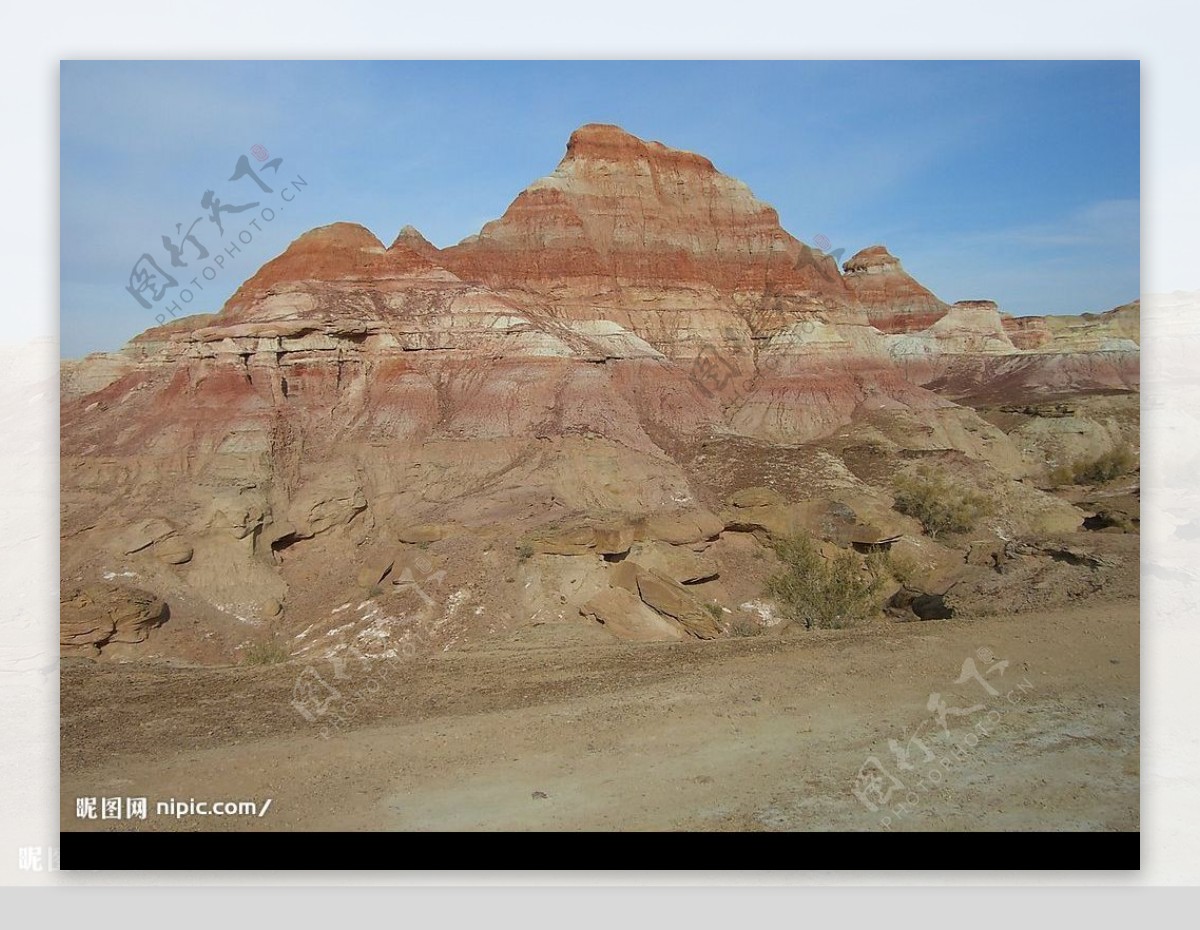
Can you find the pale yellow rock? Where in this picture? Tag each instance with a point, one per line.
(423, 533)
(143, 534)
(173, 551)
(626, 617)
(683, 527)
(757, 497)
(674, 600)
(678, 563)
(571, 540)
(612, 539)
(374, 572)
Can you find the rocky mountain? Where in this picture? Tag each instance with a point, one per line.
(597, 372)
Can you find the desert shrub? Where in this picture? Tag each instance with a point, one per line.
(714, 610)
(939, 505)
(817, 593)
(524, 552)
(1061, 475)
(742, 627)
(271, 652)
(1117, 461)
(899, 566)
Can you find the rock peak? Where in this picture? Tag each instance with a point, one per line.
(411, 237)
(895, 302)
(608, 142)
(620, 212)
(872, 260)
(590, 133)
(338, 235)
(337, 252)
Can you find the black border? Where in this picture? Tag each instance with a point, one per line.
(345, 851)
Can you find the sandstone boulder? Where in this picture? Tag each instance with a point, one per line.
(143, 534)
(613, 539)
(683, 527)
(237, 513)
(756, 497)
(773, 521)
(675, 601)
(625, 575)
(325, 504)
(419, 533)
(97, 614)
(987, 553)
(626, 617)
(678, 563)
(567, 540)
(375, 571)
(173, 551)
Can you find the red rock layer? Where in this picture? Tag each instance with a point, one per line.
(895, 302)
(338, 252)
(1027, 332)
(621, 212)
(629, 307)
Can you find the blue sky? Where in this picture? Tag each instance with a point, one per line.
(1016, 181)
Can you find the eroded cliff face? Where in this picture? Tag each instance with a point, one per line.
(560, 369)
(894, 301)
(621, 213)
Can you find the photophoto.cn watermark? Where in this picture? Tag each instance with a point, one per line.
(927, 759)
(212, 241)
(333, 692)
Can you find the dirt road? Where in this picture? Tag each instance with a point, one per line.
(559, 728)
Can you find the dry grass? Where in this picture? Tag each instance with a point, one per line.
(271, 652)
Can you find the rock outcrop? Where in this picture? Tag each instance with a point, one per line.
(547, 382)
(95, 615)
(894, 301)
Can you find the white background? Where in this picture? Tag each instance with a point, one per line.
(1162, 35)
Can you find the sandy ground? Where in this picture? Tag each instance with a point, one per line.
(558, 728)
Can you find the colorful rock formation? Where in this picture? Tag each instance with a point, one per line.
(551, 371)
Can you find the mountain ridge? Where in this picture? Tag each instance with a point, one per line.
(634, 339)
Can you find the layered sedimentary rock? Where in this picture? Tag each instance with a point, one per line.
(99, 614)
(632, 219)
(543, 379)
(894, 301)
(1117, 330)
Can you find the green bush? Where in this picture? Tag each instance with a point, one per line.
(939, 505)
(817, 593)
(1117, 461)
